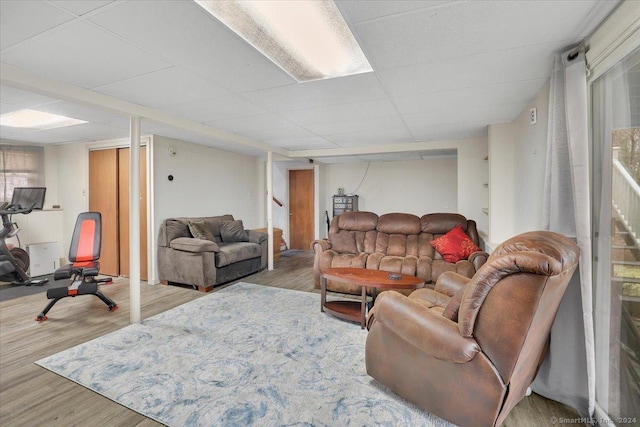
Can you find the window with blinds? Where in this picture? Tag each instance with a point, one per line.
(20, 166)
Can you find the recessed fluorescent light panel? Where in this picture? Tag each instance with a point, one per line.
(38, 120)
(309, 39)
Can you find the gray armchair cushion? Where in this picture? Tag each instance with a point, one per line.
(233, 231)
(190, 244)
(199, 230)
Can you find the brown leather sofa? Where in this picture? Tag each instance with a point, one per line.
(394, 242)
(468, 350)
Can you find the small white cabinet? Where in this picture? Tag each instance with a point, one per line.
(44, 258)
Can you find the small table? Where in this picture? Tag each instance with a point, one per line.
(376, 279)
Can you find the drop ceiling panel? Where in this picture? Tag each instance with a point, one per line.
(361, 87)
(467, 28)
(81, 7)
(450, 131)
(218, 108)
(8, 108)
(527, 63)
(360, 125)
(390, 157)
(39, 15)
(11, 95)
(352, 111)
(83, 55)
(76, 111)
(184, 33)
(368, 10)
(256, 123)
(471, 98)
(388, 135)
(165, 87)
(501, 113)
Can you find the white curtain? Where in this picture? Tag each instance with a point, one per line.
(568, 373)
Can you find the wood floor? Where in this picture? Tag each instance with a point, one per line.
(33, 396)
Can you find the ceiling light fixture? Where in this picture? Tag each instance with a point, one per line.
(309, 39)
(38, 120)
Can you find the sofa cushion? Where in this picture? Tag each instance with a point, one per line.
(399, 223)
(239, 251)
(199, 230)
(455, 245)
(188, 244)
(233, 231)
(175, 229)
(441, 223)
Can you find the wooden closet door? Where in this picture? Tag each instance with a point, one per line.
(103, 198)
(123, 178)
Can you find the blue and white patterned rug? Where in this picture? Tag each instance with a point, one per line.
(245, 355)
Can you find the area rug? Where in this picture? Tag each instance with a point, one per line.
(245, 355)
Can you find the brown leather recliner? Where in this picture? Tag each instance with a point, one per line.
(468, 350)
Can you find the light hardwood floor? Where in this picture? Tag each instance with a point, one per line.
(33, 396)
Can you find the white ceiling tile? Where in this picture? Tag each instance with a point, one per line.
(9, 108)
(83, 55)
(527, 63)
(343, 90)
(450, 132)
(20, 20)
(501, 113)
(470, 98)
(80, 7)
(165, 87)
(77, 111)
(466, 28)
(183, 32)
(359, 11)
(388, 135)
(211, 109)
(22, 98)
(254, 123)
(360, 125)
(332, 113)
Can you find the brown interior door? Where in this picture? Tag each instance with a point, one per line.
(123, 178)
(103, 198)
(301, 209)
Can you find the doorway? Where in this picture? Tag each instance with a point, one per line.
(109, 195)
(301, 222)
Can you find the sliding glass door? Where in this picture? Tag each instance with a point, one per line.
(616, 176)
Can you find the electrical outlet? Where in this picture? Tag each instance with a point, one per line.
(533, 116)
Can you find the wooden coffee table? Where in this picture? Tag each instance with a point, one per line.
(376, 279)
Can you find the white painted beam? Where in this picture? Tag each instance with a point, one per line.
(270, 209)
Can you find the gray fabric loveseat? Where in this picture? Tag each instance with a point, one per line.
(223, 252)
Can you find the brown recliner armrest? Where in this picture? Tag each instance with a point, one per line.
(426, 330)
(478, 259)
(451, 282)
(320, 245)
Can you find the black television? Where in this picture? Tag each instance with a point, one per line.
(29, 196)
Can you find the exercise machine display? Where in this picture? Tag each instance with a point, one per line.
(14, 262)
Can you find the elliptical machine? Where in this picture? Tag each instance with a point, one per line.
(14, 262)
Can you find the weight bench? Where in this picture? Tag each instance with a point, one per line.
(84, 267)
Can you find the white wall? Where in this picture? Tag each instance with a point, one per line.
(415, 186)
(517, 156)
(206, 182)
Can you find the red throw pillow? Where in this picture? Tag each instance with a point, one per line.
(455, 245)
